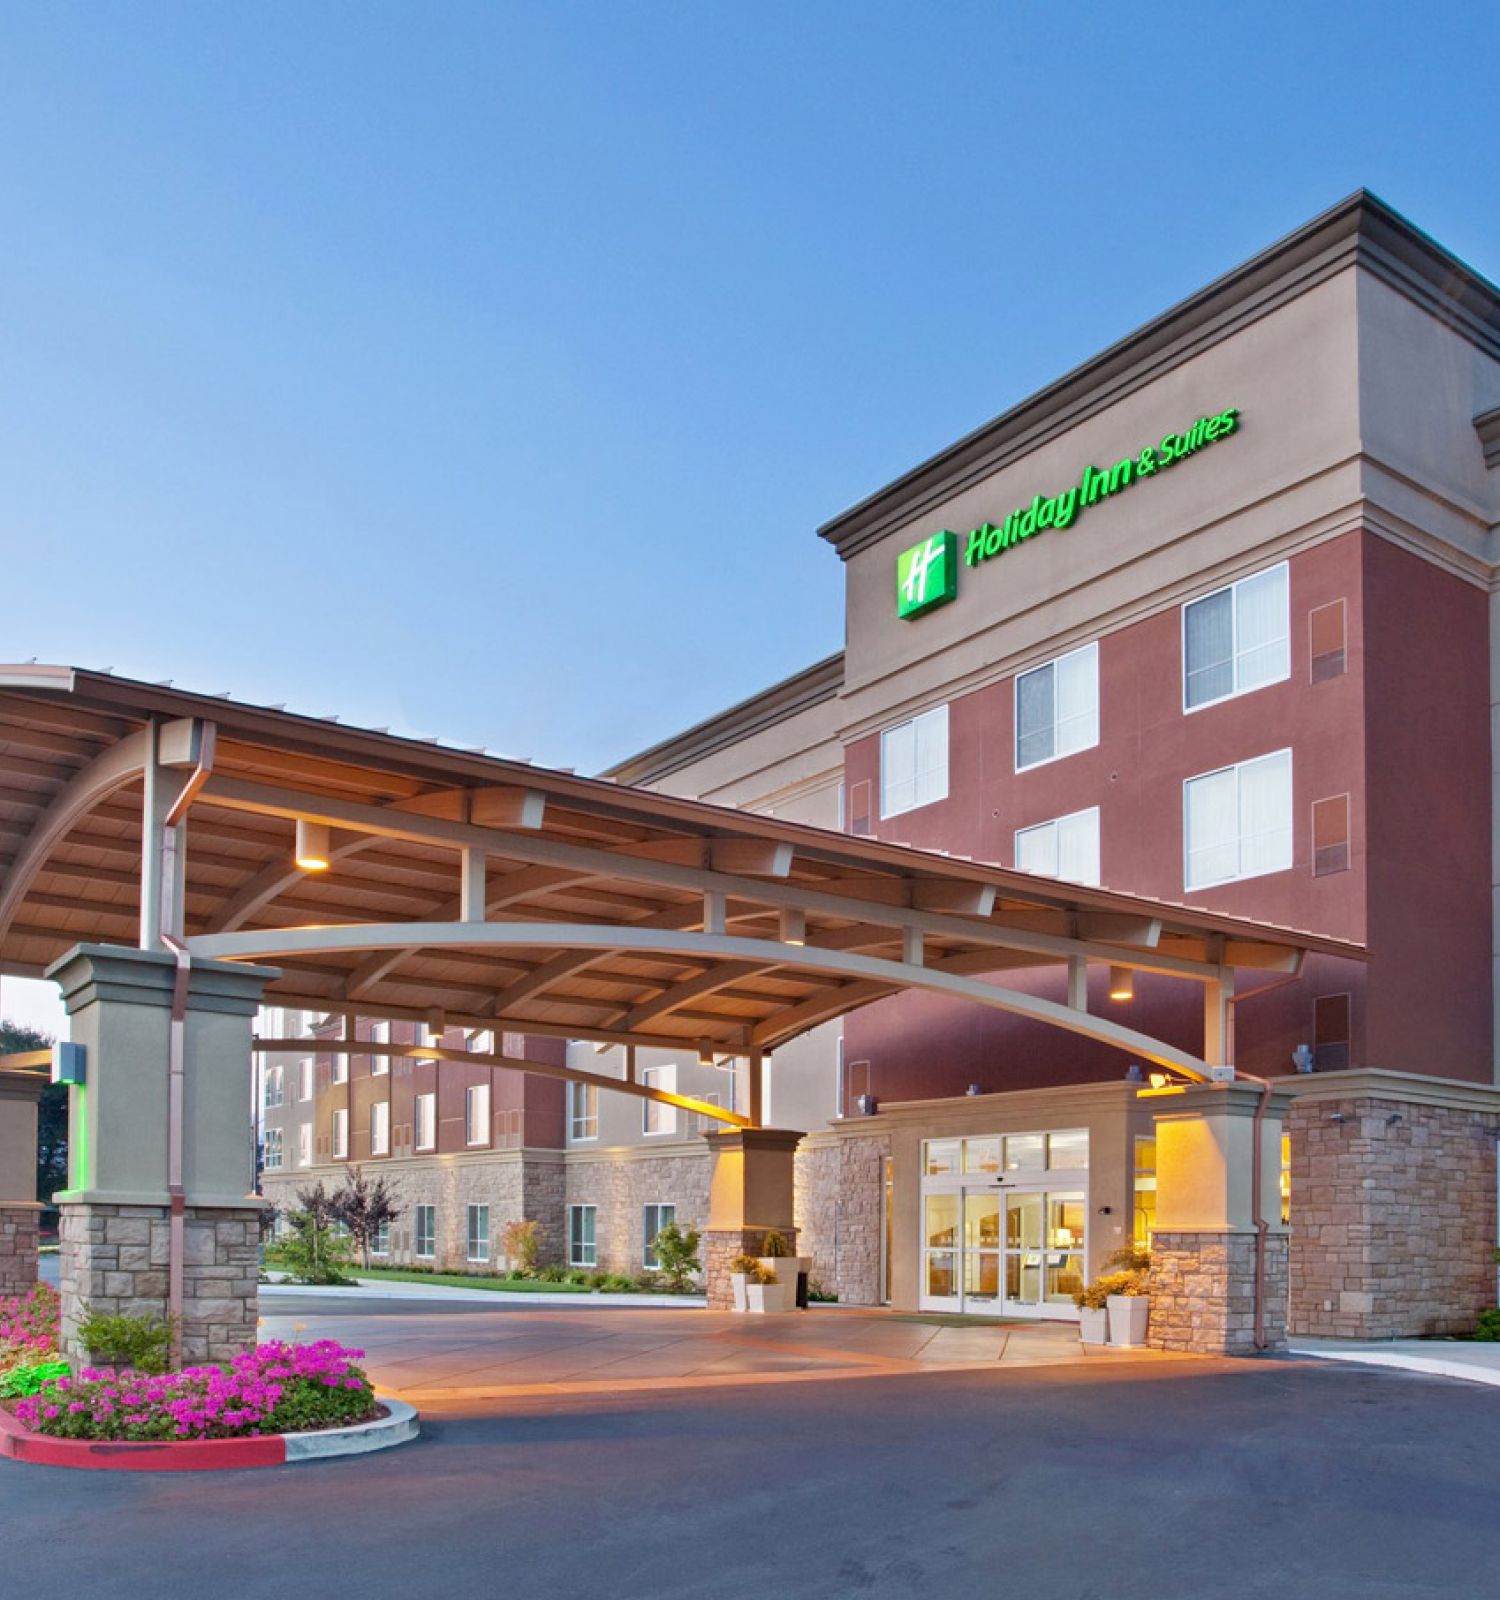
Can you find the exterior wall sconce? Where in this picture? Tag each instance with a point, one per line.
(793, 926)
(1121, 983)
(705, 1053)
(312, 846)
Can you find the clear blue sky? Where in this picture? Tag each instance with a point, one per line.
(484, 370)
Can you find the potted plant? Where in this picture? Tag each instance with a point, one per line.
(751, 1279)
(1128, 1295)
(1093, 1312)
(784, 1268)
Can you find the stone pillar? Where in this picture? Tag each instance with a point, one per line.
(1204, 1251)
(19, 1210)
(117, 1208)
(750, 1193)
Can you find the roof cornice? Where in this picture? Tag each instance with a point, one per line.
(1359, 231)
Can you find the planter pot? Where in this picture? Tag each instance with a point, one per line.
(783, 1293)
(1128, 1315)
(737, 1281)
(1093, 1325)
(756, 1297)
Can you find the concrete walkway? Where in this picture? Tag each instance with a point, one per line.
(1441, 1358)
(389, 1289)
(457, 1354)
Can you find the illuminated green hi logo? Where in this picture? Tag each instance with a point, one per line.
(927, 574)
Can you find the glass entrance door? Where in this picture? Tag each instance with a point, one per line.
(1043, 1253)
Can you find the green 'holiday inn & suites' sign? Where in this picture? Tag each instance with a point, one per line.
(927, 574)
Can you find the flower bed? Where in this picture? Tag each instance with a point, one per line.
(30, 1326)
(275, 1388)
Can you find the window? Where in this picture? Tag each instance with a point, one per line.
(380, 1033)
(478, 1231)
(1236, 640)
(477, 1114)
(1331, 1032)
(305, 1079)
(1057, 708)
(1145, 1191)
(380, 1240)
(426, 1121)
(657, 1217)
(1238, 822)
(841, 1087)
(1326, 630)
(380, 1128)
(425, 1223)
(304, 1145)
(583, 1111)
(340, 1067)
(340, 1135)
(275, 1087)
(482, 1042)
(1066, 848)
(914, 763)
(1330, 835)
(582, 1250)
(271, 1150)
(656, 1117)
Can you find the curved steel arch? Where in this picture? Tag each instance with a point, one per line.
(277, 943)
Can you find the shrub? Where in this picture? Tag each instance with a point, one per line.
(597, 1280)
(274, 1388)
(143, 1344)
(520, 1241)
(579, 1276)
(752, 1270)
(553, 1275)
(677, 1250)
(315, 1251)
(774, 1244)
(1489, 1326)
(617, 1283)
(816, 1292)
(21, 1381)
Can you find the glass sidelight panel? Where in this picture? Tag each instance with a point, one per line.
(1023, 1248)
(942, 1281)
(941, 1245)
(1066, 1216)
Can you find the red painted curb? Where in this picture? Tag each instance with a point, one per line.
(182, 1455)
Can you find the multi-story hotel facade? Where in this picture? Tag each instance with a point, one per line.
(1210, 620)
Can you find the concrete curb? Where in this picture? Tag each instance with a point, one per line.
(18, 1443)
(1432, 1366)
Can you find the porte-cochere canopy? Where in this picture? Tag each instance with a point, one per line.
(496, 894)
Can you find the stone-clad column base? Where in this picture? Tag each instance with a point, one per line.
(721, 1246)
(18, 1242)
(1203, 1293)
(114, 1260)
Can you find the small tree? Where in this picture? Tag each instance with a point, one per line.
(520, 1241)
(364, 1208)
(313, 1252)
(51, 1113)
(677, 1255)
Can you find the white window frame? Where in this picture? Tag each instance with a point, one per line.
(1233, 590)
(1092, 648)
(588, 1118)
(592, 1245)
(340, 1067)
(482, 1042)
(656, 1111)
(275, 1088)
(1054, 823)
(306, 1078)
(1237, 767)
(339, 1142)
(424, 1110)
(430, 1253)
(380, 1128)
(931, 716)
(380, 1033)
(271, 1142)
(840, 1082)
(304, 1144)
(469, 1215)
(380, 1240)
(648, 1257)
(476, 1126)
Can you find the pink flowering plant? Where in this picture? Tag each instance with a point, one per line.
(30, 1326)
(274, 1388)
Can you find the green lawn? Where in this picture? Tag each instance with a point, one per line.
(463, 1280)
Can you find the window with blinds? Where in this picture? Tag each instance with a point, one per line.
(1237, 822)
(1066, 847)
(1057, 708)
(1236, 639)
(914, 762)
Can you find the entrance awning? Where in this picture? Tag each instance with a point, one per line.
(499, 895)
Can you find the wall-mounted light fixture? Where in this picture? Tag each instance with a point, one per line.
(1121, 983)
(312, 846)
(793, 925)
(705, 1053)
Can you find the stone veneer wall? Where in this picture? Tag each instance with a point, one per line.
(720, 1247)
(18, 1242)
(114, 1260)
(816, 1205)
(861, 1218)
(623, 1184)
(1203, 1292)
(1393, 1222)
